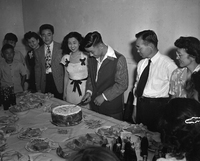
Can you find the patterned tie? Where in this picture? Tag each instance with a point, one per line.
(143, 80)
(48, 58)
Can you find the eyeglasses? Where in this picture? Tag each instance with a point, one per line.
(178, 54)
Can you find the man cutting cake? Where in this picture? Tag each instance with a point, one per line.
(108, 77)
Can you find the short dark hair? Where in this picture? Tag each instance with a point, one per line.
(64, 45)
(148, 36)
(94, 153)
(180, 138)
(45, 27)
(92, 39)
(6, 46)
(31, 34)
(191, 45)
(11, 36)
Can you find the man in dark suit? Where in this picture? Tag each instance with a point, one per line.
(48, 70)
(108, 77)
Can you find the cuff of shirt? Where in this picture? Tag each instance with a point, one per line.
(89, 92)
(104, 97)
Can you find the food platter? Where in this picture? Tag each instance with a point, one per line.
(19, 109)
(139, 130)
(29, 133)
(30, 100)
(109, 131)
(8, 119)
(13, 155)
(69, 147)
(10, 129)
(2, 141)
(40, 145)
(93, 124)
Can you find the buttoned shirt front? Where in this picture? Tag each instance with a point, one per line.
(160, 72)
(111, 53)
(10, 75)
(177, 82)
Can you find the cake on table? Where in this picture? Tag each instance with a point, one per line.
(66, 115)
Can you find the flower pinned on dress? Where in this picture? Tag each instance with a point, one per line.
(66, 62)
(192, 120)
(83, 61)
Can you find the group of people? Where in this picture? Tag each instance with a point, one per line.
(167, 96)
(85, 70)
(79, 70)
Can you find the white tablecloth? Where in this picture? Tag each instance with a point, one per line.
(40, 119)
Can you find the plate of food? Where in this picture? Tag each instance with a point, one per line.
(14, 156)
(19, 109)
(2, 141)
(109, 131)
(10, 129)
(8, 119)
(31, 100)
(67, 148)
(137, 129)
(93, 124)
(40, 145)
(29, 133)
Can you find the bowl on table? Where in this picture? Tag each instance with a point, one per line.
(18, 111)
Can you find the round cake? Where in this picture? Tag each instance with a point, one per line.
(66, 115)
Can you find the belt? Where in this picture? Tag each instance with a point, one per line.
(77, 85)
(149, 99)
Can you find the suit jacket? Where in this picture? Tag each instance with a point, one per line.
(57, 68)
(112, 82)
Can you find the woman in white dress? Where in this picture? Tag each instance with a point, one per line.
(75, 65)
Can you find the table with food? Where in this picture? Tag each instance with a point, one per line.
(41, 127)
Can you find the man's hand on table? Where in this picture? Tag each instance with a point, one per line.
(99, 100)
(86, 98)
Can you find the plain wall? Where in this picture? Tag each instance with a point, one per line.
(117, 20)
(11, 20)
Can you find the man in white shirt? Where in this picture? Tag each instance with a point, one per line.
(155, 95)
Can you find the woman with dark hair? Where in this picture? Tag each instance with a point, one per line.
(76, 72)
(180, 130)
(33, 41)
(94, 154)
(192, 86)
(188, 55)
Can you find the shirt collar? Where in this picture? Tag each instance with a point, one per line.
(110, 54)
(197, 68)
(155, 57)
(50, 45)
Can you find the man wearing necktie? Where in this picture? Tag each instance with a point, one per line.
(48, 70)
(152, 83)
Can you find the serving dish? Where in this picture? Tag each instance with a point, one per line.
(70, 146)
(40, 145)
(29, 133)
(8, 119)
(10, 129)
(109, 131)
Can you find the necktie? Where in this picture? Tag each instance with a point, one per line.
(143, 80)
(48, 58)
